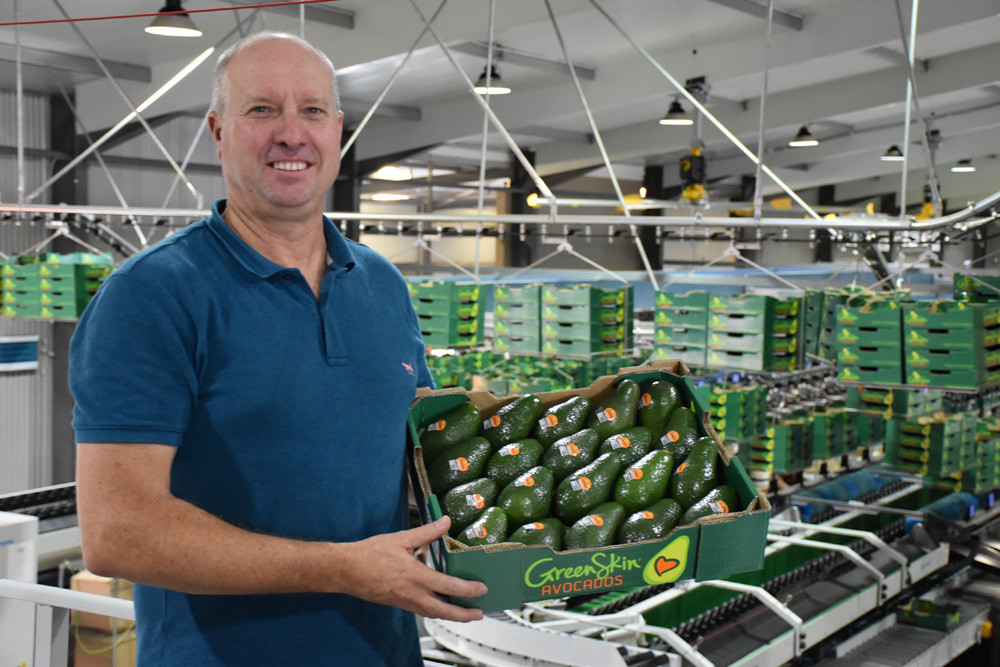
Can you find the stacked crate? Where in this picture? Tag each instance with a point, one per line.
(52, 285)
(785, 447)
(586, 320)
(517, 318)
(829, 431)
(869, 342)
(738, 413)
(832, 302)
(939, 446)
(753, 332)
(681, 327)
(448, 313)
(812, 322)
(952, 344)
(977, 289)
(888, 403)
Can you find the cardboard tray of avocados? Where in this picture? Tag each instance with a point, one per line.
(620, 484)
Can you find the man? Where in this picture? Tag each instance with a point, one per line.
(241, 391)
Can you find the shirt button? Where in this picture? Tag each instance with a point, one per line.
(287, 276)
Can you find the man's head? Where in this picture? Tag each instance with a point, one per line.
(277, 127)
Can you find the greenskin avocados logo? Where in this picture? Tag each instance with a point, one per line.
(604, 570)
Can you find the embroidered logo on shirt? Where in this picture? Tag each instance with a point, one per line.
(409, 368)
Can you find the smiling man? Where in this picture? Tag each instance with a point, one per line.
(241, 394)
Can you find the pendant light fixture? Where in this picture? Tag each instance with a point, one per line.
(676, 115)
(492, 84)
(173, 21)
(803, 138)
(893, 154)
(963, 167)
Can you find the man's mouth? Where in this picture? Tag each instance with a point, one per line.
(289, 166)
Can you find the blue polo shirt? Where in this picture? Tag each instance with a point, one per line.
(288, 415)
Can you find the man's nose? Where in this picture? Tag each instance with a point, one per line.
(290, 130)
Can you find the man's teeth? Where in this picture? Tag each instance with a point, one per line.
(290, 166)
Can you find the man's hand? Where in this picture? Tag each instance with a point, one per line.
(383, 569)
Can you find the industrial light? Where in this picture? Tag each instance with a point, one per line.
(389, 196)
(804, 138)
(963, 167)
(173, 21)
(491, 85)
(893, 154)
(676, 115)
(393, 173)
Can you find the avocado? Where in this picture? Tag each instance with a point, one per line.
(617, 412)
(657, 402)
(585, 489)
(466, 502)
(695, 476)
(512, 421)
(595, 529)
(460, 423)
(571, 453)
(652, 523)
(645, 481)
(720, 500)
(458, 464)
(511, 460)
(489, 528)
(681, 432)
(547, 531)
(528, 497)
(628, 446)
(561, 420)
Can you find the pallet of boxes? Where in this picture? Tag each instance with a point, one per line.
(50, 285)
(618, 484)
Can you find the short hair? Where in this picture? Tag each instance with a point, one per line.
(220, 93)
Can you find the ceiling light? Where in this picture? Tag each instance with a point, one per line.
(391, 172)
(176, 24)
(389, 196)
(963, 167)
(676, 115)
(494, 86)
(893, 154)
(804, 138)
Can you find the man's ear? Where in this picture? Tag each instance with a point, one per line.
(215, 127)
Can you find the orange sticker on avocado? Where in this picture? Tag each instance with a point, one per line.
(527, 481)
(681, 467)
(719, 507)
(492, 422)
(645, 400)
(670, 436)
(536, 525)
(633, 474)
(580, 484)
(512, 449)
(606, 415)
(569, 449)
(476, 532)
(461, 464)
(438, 425)
(549, 420)
(592, 520)
(645, 514)
(621, 442)
(475, 500)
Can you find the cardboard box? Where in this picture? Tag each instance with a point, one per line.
(100, 649)
(693, 319)
(696, 300)
(516, 573)
(87, 582)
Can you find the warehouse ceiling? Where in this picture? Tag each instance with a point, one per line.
(838, 68)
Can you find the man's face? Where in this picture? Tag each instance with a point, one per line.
(279, 134)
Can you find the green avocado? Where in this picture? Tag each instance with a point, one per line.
(657, 402)
(645, 481)
(458, 464)
(585, 489)
(597, 528)
(528, 497)
(466, 502)
(651, 523)
(489, 528)
(460, 423)
(561, 420)
(617, 412)
(571, 453)
(628, 446)
(547, 531)
(720, 500)
(681, 432)
(695, 476)
(512, 459)
(512, 421)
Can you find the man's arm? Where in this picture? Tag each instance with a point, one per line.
(133, 528)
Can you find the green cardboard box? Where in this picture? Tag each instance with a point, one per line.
(515, 573)
(518, 293)
(694, 319)
(680, 335)
(696, 300)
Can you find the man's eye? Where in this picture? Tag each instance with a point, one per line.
(314, 110)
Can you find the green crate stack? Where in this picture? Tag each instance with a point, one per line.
(785, 448)
(448, 313)
(829, 430)
(832, 301)
(870, 429)
(52, 285)
(517, 318)
(812, 321)
(586, 320)
(680, 324)
(977, 289)
(939, 446)
(753, 332)
(870, 342)
(738, 412)
(952, 343)
(888, 403)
